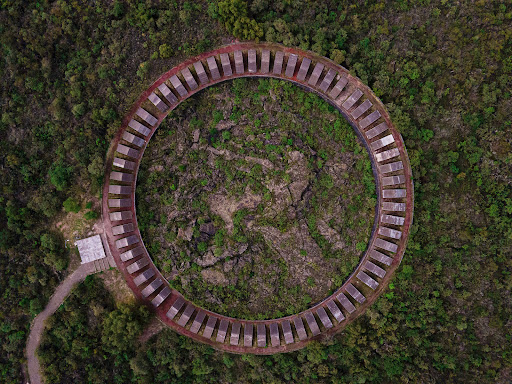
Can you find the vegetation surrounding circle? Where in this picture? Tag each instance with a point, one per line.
(256, 199)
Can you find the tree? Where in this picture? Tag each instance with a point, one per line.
(79, 109)
(35, 306)
(234, 15)
(60, 175)
(122, 326)
(54, 253)
(45, 201)
(49, 242)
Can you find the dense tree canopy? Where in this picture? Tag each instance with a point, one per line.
(70, 71)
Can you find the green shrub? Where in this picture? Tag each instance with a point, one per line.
(79, 110)
(71, 205)
(226, 135)
(202, 246)
(91, 215)
(234, 15)
(361, 246)
(165, 51)
(35, 306)
(60, 175)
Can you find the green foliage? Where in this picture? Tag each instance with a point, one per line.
(121, 327)
(315, 353)
(89, 331)
(35, 306)
(202, 246)
(165, 51)
(96, 167)
(118, 9)
(219, 238)
(234, 15)
(79, 110)
(226, 135)
(447, 91)
(71, 205)
(360, 246)
(50, 242)
(91, 215)
(217, 117)
(51, 246)
(143, 70)
(60, 175)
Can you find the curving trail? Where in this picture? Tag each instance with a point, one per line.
(38, 324)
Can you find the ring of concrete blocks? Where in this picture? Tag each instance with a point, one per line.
(391, 169)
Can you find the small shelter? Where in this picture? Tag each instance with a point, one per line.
(90, 249)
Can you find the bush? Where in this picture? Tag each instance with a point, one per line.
(165, 51)
(202, 247)
(91, 215)
(247, 29)
(35, 306)
(57, 261)
(51, 246)
(234, 15)
(361, 246)
(71, 205)
(79, 110)
(60, 175)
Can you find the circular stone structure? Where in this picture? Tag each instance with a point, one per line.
(393, 214)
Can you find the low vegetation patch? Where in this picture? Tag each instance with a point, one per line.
(256, 199)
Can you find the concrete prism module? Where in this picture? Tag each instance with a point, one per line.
(239, 62)
(198, 321)
(335, 311)
(274, 335)
(214, 69)
(201, 73)
(251, 61)
(166, 91)
(303, 69)
(326, 82)
(313, 80)
(191, 82)
(248, 334)
(336, 90)
(235, 333)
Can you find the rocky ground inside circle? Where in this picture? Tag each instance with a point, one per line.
(255, 199)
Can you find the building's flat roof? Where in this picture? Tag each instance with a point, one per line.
(90, 249)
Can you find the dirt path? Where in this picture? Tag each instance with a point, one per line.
(38, 324)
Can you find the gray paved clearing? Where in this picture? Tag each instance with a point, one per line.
(38, 324)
